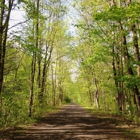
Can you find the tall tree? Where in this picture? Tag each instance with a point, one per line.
(115, 32)
(5, 11)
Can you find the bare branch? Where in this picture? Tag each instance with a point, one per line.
(18, 24)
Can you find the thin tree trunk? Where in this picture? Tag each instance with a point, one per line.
(33, 63)
(116, 82)
(37, 46)
(44, 73)
(96, 97)
(96, 94)
(136, 48)
(32, 78)
(53, 86)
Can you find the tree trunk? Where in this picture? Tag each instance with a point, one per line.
(4, 24)
(96, 95)
(32, 78)
(134, 89)
(116, 82)
(53, 86)
(136, 49)
(45, 70)
(37, 46)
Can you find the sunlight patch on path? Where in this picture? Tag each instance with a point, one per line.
(72, 122)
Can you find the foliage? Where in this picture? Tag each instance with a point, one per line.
(107, 52)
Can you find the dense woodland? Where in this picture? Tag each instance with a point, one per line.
(85, 51)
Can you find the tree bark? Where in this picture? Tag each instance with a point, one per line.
(136, 49)
(118, 88)
(96, 95)
(45, 70)
(4, 24)
(32, 78)
(134, 89)
(53, 86)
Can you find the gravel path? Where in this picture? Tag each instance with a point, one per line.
(72, 122)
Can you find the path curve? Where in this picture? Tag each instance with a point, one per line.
(72, 122)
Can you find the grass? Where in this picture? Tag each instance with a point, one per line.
(9, 131)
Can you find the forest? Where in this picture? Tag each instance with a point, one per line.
(62, 51)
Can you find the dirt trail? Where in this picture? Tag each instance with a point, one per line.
(72, 122)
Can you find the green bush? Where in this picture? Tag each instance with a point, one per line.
(67, 99)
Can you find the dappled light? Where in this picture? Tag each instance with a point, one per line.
(71, 122)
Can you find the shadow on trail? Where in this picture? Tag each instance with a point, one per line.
(72, 123)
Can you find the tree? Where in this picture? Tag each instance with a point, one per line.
(110, 24)
(5, 11)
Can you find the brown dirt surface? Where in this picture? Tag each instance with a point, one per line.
(73, 122)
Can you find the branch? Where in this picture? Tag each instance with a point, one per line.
(18, 24)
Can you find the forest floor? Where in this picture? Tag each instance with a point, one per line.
(73, 122)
